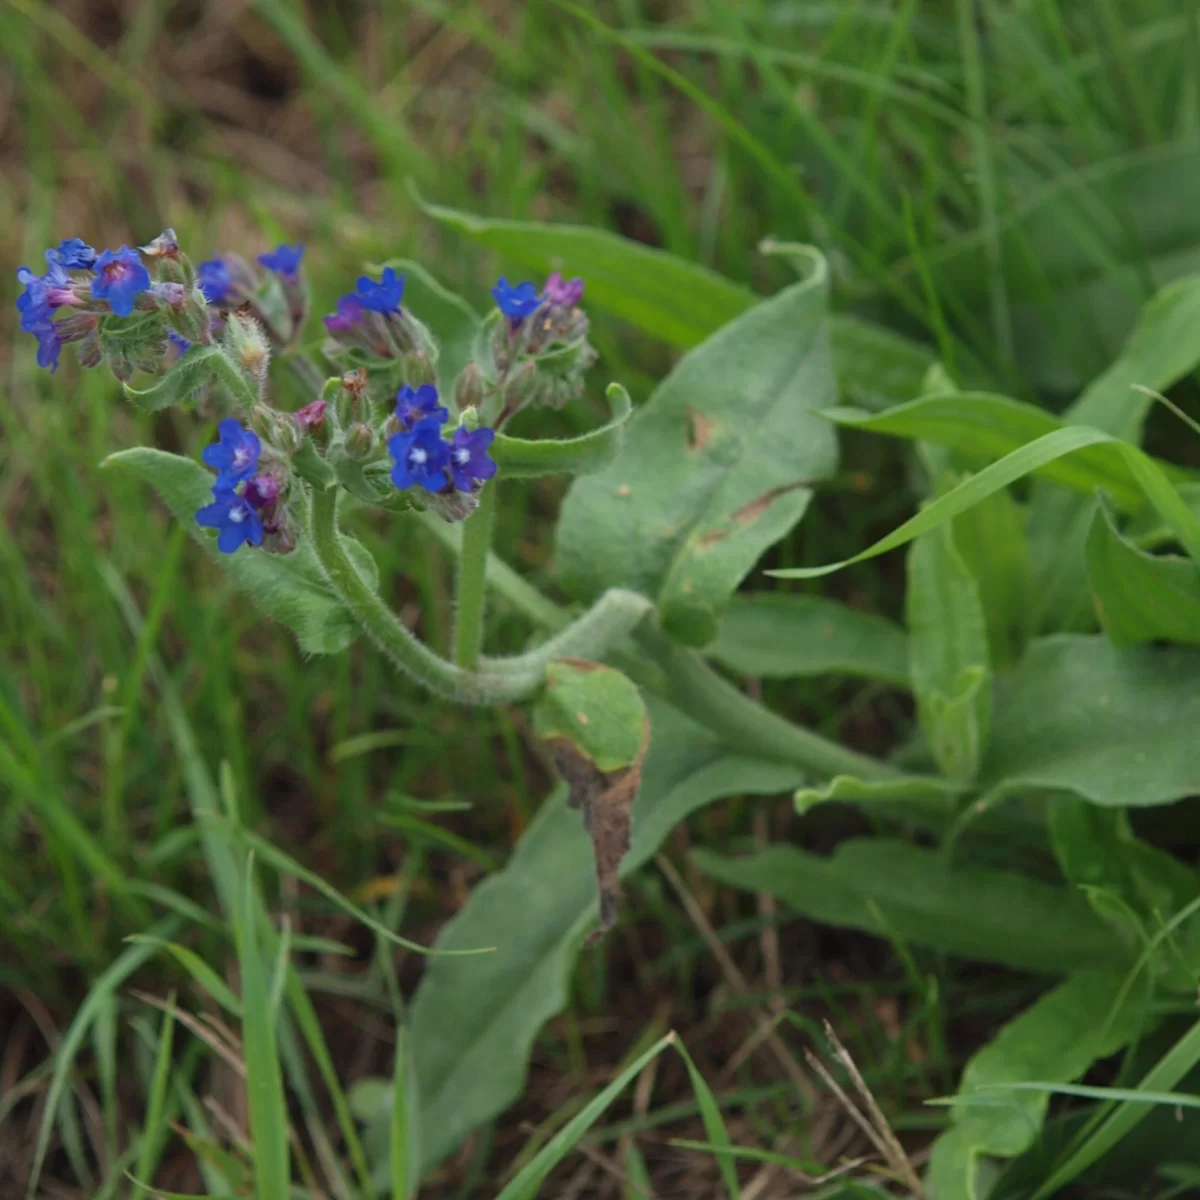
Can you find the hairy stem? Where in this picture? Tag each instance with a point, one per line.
(691, 685)
(472, 567)
(496, 681)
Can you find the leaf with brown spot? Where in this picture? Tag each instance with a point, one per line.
(700, 428)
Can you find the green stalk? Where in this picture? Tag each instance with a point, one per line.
(697, 690)
(472, 569)
(496, 681)
(682, 677)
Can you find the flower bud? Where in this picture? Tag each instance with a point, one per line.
(246, 343)
(361, 443)
(521, 387)
(468, 387)
(452, 505)
(311, 420)
(278, 430)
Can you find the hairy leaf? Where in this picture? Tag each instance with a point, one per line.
(1109, 724)
(473, 1021)
(887, 887)
(522, 458)
(948, 645)
(777, 635)
(718, 466)
(1140, 597)
(1056, 1039)
(683, 303)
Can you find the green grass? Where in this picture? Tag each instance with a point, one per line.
(1007, 183)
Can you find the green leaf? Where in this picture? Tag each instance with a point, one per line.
(891, 888)
(991, 539)
(1140, 597)
(264, 1079)
(1134, 885)
(667, 297)
(473, 1021)
(286, 587)
(1081, 715)
(525, 458)
(948, 644)
(1056, 1038)
(683, 303)
(718, 466)
(595, 708)
(1163, 348)
(196, 369)
(982, 426)
(915, 795)
(778, 635)
(1035, 456)
(452, 321)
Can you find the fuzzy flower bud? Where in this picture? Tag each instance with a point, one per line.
(361, 443)
(468, 387)
(247, 344)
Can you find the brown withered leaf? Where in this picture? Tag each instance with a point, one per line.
(606, 801)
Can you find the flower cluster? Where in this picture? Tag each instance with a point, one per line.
(246, 501)
(76, 277)
(371, 321)
(423, 458)
(275, 295)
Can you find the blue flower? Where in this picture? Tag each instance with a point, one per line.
(469, 459)
(284, 259)
(120, 276)
(214, 280)
(43, 294)
(413, 406)
(421, 456)
(517, 302)
(234, 517)
(234, 455)
(349, 314)
(73, 253)
(384, 296)
(179, 341)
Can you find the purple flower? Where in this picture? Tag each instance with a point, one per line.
(120, 276)
(421, 456)
(469, 460)
(284, 259)
(517, 302)
(43, 294)
(74, 253)
(384, 296)
(349, 315)
(413, 406)
(234, 455)
(312, 415)
(234, 517)
(563, 293)
(214, 280)
(49, 342)
(262, 491)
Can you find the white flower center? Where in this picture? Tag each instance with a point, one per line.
(238, 513)
(462, 455)
(418, 456)
(241, 456)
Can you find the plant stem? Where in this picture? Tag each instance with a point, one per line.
(688, 682)
(472, 569)
(697, 690)
(496, 681)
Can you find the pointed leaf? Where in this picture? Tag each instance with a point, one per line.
(1080, 715)
(286, 587)
(889, 887)
(1056, 1038)
(717, 467)
(473, 1021)
(1140, 597)
(525, 458)
(682, 302)
(948, 645)
(777, 635)
(196, 369)
(1035, 456)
